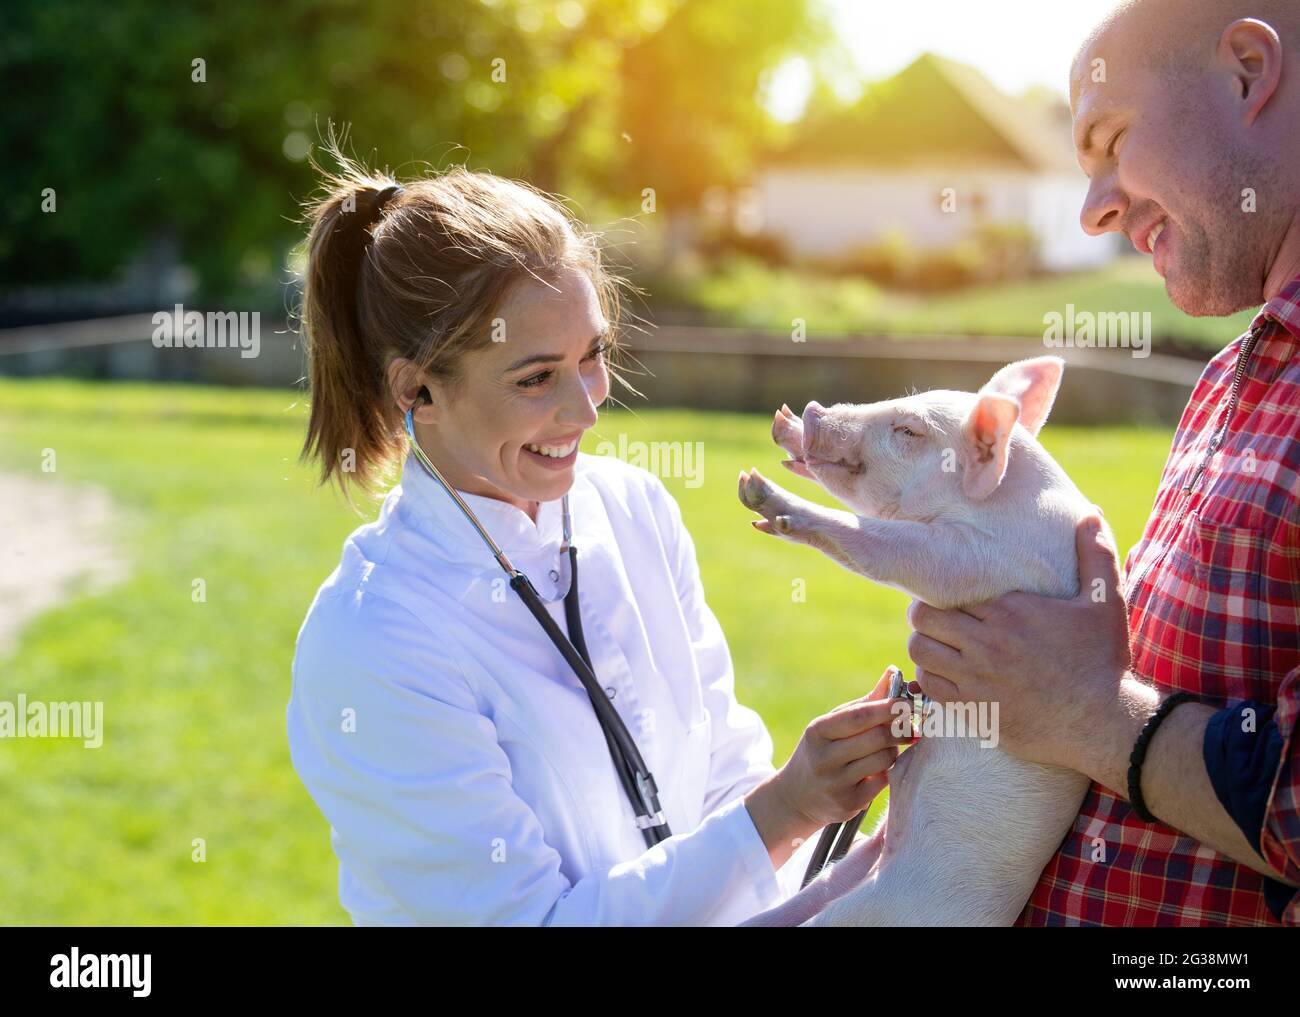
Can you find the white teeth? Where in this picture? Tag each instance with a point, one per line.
(554, 451)
(1154, 235)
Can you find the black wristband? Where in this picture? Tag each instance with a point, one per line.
(1139, 754)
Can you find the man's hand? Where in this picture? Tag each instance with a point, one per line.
(1054, 666)
(1059, 671)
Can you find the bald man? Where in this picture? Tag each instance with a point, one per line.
(1177, 689)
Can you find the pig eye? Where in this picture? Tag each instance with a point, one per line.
(906, 430)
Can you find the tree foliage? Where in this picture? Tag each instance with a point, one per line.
(104, 104)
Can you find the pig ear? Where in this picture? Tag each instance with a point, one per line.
(1031, 383)
(987, 436)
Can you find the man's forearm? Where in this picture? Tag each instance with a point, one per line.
(1175, 784)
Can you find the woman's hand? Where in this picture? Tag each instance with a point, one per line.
(835, 772)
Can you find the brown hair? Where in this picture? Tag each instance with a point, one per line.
(421, 276)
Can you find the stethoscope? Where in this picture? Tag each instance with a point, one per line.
(638, 783)
(837, 838)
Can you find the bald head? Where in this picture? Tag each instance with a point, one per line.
(1178, 37)
(1184, 121)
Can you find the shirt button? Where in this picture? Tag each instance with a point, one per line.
(555, 576)
(609, 691)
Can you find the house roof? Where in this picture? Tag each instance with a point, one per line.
(936, 111)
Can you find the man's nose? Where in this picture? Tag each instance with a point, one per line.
(1104, 207)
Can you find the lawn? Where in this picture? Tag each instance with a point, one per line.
(195, 693)
(744, 292)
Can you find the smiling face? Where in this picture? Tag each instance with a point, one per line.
(886, 459)
(510, 427)
(1173, 152)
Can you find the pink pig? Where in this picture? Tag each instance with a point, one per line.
(954, 502)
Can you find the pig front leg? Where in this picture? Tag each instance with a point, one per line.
(803, 522)
(943, 564)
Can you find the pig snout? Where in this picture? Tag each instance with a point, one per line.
(812, 415)
(808, 439)
(829, 442)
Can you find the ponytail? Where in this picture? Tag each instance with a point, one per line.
(348, 429)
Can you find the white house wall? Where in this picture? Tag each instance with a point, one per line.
(826, 211)
(1054, 217)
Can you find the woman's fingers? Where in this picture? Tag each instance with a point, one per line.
(882, 687)
(853, 718)
(897, 731)
(873, 765)
(867, 790)
(879, 692)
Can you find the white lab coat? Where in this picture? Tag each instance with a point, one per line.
(459, 761)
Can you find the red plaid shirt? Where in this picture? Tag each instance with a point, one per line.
(1213, 591)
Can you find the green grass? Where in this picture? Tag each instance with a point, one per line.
(744, 292)
(195, 693)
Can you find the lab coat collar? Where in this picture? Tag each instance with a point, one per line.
(428, 508)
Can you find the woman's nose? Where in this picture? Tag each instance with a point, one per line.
(580, 408)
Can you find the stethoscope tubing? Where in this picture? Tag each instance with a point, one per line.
(637, 780)
(837, 838)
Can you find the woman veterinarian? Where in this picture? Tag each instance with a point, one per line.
(454, 752)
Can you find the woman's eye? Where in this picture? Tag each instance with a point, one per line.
(535, 380)
(543, 376)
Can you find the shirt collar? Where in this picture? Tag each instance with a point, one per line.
(426, 506)
(1284, 308)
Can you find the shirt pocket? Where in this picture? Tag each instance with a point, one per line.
(1214, 637)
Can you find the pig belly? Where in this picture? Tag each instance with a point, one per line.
(969, 832)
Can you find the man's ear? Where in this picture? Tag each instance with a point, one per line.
(1031, 383)
(1252, 53)
(986, 433)
(405, 381)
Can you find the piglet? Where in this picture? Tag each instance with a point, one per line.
(954, 502)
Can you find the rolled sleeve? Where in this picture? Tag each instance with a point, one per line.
(1280, 836)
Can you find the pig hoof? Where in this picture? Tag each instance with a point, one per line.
(753, 490)
(776, 506)
(787, 432)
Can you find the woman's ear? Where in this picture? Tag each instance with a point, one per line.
(406, 382)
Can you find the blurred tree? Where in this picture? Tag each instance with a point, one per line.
(193, 123)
